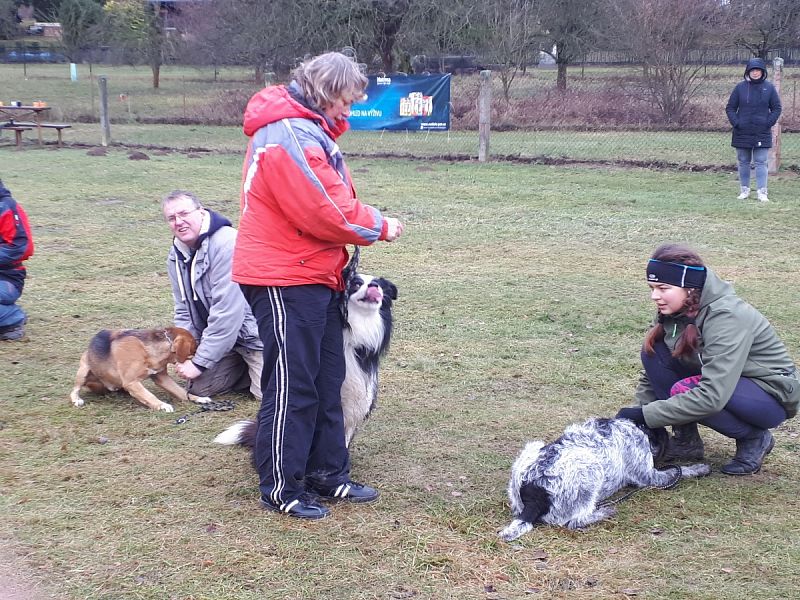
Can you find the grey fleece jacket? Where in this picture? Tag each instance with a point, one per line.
(205, 276)
(735, 341)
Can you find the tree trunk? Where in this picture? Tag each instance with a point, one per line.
(561, 77)
(156, 67)
(387, 56)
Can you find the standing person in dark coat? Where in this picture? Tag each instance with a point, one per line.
(753, 108)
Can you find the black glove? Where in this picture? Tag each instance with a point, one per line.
(633, 413)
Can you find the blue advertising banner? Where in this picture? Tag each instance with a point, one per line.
(405, 103)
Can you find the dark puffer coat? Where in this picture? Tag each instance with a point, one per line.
(753, 108)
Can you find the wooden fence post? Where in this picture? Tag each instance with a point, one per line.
(484, 115)
(774, 159)
(105, 126)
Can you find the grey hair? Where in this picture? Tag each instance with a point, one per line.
(328, 77)
(177, 195)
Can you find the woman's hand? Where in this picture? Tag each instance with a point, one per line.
(394, 229)
(633, 413)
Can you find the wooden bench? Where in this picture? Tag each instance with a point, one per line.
(59, 127)
(17, 129)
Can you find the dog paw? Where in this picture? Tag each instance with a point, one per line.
(77, 402)
(199, 399)
(166, 407)
(699, 470)
(514, 530)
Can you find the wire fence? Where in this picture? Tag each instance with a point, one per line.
(690, 150)
(601, 118)
(605, 116)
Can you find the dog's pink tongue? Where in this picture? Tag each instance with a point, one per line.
(374, 294)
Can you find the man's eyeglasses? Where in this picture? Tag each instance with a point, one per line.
(183, 215)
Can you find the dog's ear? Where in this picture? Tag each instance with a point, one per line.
(388, 287)
(183, 344)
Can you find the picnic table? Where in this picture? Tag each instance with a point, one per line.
(26, 117)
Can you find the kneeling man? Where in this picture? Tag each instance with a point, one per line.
(207, 303)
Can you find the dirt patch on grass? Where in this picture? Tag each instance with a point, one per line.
(16, 581)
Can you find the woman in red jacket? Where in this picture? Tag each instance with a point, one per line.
(299, 210)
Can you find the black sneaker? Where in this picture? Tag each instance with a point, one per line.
(13, 332)
(304, 507)
(349, 491)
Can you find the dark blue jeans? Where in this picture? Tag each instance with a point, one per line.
(747, 414)
(10, 313)
(301, 427)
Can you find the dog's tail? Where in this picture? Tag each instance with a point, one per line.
(535, 503)
(241, 433)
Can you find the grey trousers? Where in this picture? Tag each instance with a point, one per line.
(237, 371)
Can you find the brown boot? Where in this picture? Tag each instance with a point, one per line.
(685, 444)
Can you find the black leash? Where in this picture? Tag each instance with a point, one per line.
(348, 274)
(668, 486)
(214, 406)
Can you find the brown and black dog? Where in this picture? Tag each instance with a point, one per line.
(123, 358)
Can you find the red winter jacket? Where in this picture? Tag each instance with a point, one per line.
(16, 241)
(298, 205)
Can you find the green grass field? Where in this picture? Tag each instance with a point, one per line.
(522, 307)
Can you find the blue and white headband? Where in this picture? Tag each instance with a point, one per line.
(685, 276)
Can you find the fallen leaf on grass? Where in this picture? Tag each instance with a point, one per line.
(539, 555)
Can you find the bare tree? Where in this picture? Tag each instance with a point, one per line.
(442, 27)
(8, 19)
(661, 34)
(265, 34)
(79, 20)
(371, 27)
(568, 30)
(764, 25)
(387, 21)
(137, 27)
(509, 41)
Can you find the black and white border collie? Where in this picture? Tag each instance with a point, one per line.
(367, 333)
(565, 482)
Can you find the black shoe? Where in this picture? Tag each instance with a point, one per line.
(304, 507)
(13, 332)
(349, 491)
(685, 445)
(750, 455)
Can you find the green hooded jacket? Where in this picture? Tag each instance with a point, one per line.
(735, 341)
